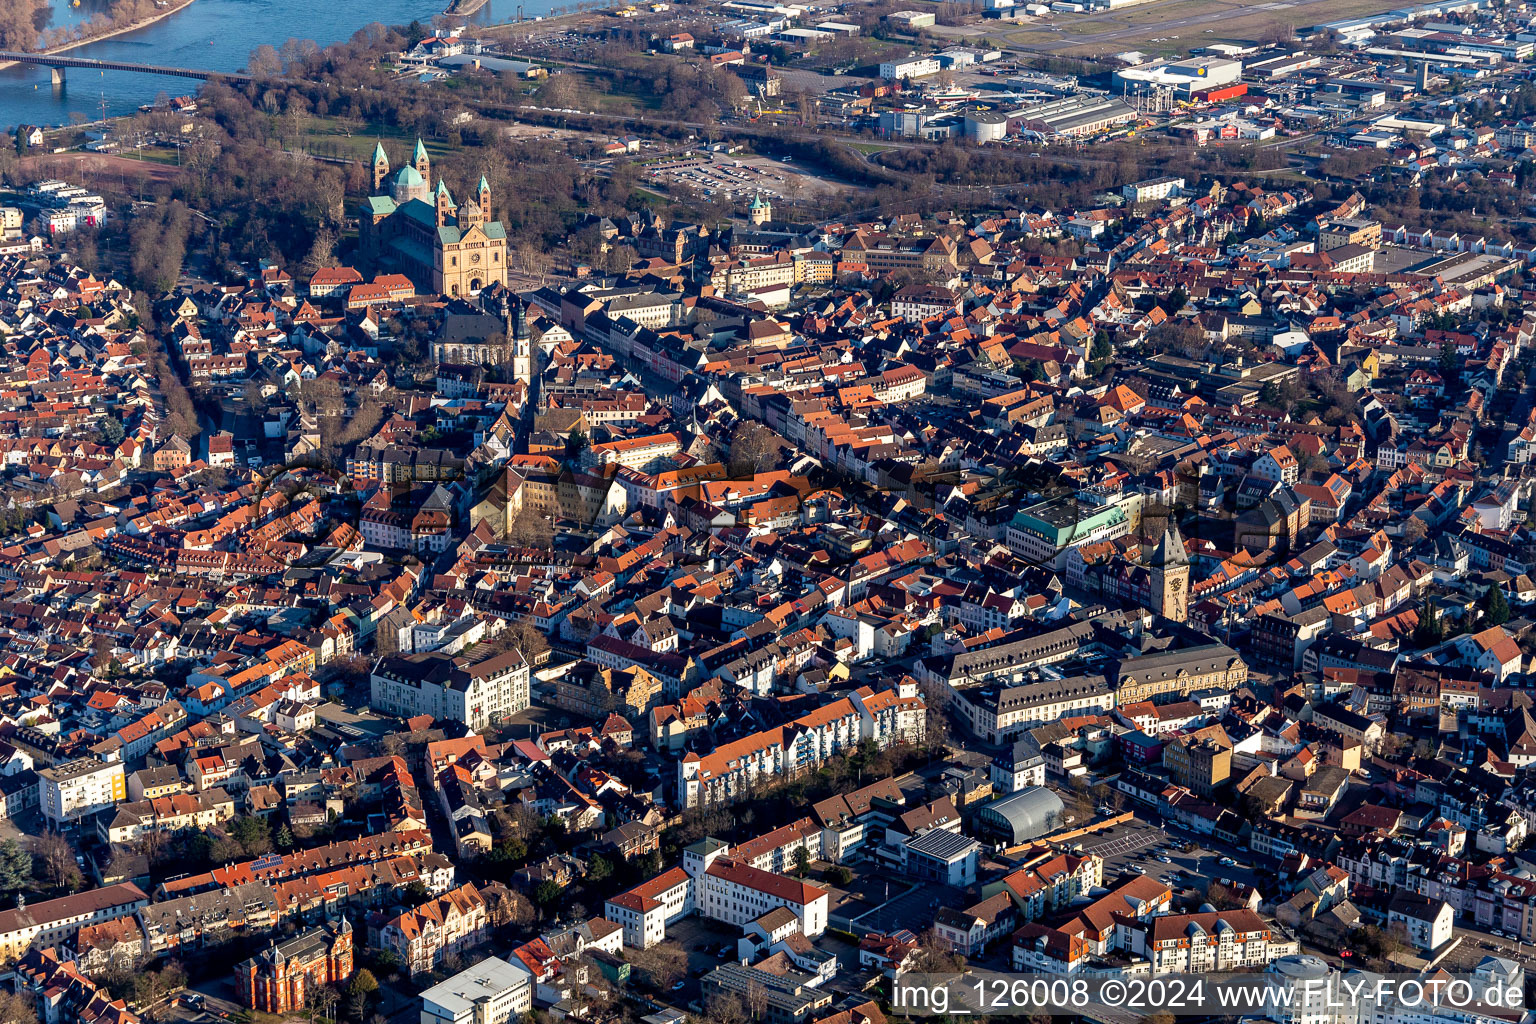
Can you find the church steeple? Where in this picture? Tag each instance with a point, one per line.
(483, 194)
(446, 207)
(421, 161)
(517, 334)
(380, 167)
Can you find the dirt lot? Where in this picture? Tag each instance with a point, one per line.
(534, 132)
(99, 170)
(738, 178)
(1176, 26)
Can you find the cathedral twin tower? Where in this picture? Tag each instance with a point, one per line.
(442, 246)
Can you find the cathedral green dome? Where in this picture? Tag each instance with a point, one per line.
(409, 177)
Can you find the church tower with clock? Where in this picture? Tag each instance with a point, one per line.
(1169, 569)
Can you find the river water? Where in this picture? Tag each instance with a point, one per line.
(215, 34)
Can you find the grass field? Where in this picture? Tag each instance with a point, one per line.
(1166, 27)
(354, 140)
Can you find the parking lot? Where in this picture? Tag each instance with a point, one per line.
(1477, 944)
(1150, 849)
(707, 944)
(1123, 840)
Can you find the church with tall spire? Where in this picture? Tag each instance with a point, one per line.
(408, 226)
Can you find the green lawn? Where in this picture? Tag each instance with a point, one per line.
(354, 140)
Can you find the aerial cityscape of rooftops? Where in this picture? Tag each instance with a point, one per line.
(691, 512)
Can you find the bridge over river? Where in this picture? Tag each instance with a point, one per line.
(59, 62)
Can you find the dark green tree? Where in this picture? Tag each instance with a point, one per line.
(509, 851)
(252, 833)
(546, 893)
(1450, 366)
(15, 866)
(1430, 630)
(1495, 606)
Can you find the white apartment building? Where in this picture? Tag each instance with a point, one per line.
(449, 688)
(632, 452)
(648, 309)
(1429, 922)
(650, 908)
(912, 67)
(1299, 992)
(737, 893)
(1228, 940)
(491, 992)
(887, 717)
(718, 887)
(80, 788)
(1152, 189)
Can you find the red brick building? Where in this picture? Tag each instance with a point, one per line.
(280, 979)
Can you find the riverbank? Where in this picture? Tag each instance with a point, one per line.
(464, 8)
(177, 6)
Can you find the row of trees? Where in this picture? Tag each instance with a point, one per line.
(19, 22)
(118, 15)
(181, 414)
(158, 242)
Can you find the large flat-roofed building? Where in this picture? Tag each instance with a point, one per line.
(80, 788)
(912, 67)
(1181, 76)
(912, 19)
(1466, 270)
(1075, 115)
(491, 992)
(1152, 189)
(1043, 533)
(787, 995)
(1348, 231)
(936, 855)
